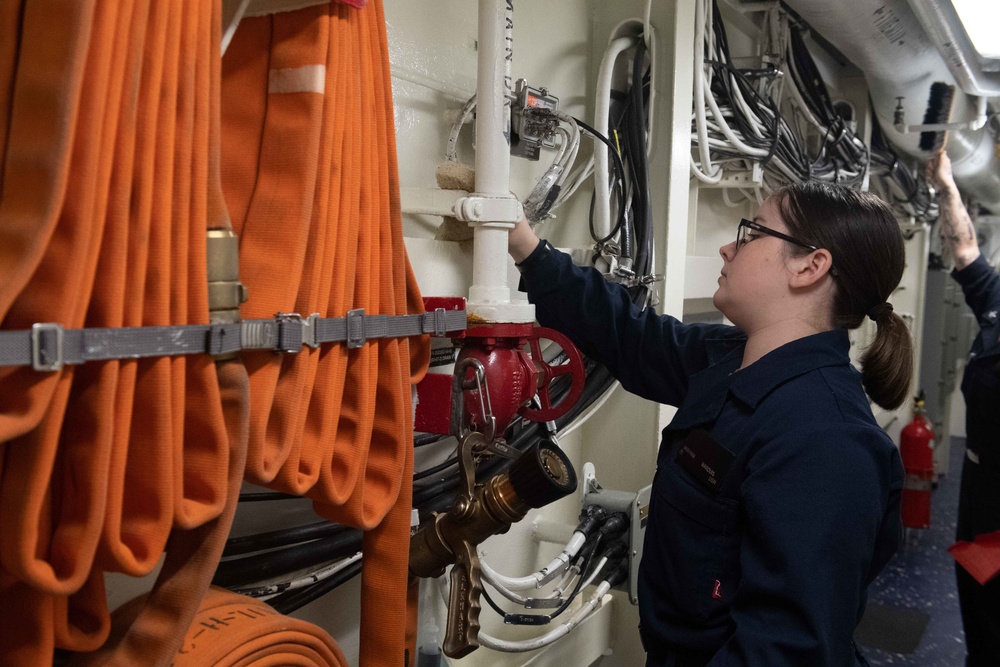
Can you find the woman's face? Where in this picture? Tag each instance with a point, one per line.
(754, 280)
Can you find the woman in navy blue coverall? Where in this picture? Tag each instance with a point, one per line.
(776, 496)
(979, 498)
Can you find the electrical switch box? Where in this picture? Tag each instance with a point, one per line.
(635, 505)
(533, 123)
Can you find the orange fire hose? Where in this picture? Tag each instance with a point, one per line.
(315, 430)
(102, 224)
(112, 172)
(232, 629)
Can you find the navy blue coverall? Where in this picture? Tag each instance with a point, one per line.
(979, 499)
(776, 495)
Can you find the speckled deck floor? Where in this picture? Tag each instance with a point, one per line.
(922, 576)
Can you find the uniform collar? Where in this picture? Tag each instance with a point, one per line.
(708, 389)
(829, 348)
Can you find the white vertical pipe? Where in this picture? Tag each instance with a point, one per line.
(492, 103)
(489, 263)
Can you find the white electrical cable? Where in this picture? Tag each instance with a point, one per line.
(593, 575)
(651, 50)
(269, 591)
(602, 107)
(451, 152)
(554, 597)
(577, 179)
(561, 152)
(705, 171)
(574, 148)
(586, 609)
(591, 410)
(646, 28)
(542, 576)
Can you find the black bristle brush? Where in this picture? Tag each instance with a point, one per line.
(938, 112)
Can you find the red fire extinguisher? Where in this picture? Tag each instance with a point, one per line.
(916, 447)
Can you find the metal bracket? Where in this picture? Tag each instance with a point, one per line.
(502, 209)
(738, 179)
(309, 331)
(636, 507)
(46, 353)
(439, 322)
(356, 328)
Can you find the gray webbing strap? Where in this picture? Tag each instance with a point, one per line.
(48, 346)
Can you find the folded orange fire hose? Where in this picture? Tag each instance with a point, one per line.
(110, 138)
(103, 221)
(337, 250)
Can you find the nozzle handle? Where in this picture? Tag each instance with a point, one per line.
(461, 635)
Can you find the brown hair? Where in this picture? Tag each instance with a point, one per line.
(864, 239)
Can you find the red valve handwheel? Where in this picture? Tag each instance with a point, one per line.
(573, 367)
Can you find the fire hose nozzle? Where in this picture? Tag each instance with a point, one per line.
(539, 476)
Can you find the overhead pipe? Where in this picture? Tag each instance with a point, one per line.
(944, 28)
(887, 42)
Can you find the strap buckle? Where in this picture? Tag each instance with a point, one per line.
(356, 328)
(310, 334)
(47, 346)
(440, 319)
(290, 333)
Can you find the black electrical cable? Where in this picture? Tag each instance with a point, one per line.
(435, 469)
(492, 603)
(274, 539)
(424, 439)
(579, 582)
(241, 572)
(838, 137)
(256, 497)
(636, 127)
(618, 180)
(290, 601)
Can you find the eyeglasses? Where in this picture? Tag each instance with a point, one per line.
(742, 240)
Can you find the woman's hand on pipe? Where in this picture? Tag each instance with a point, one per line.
(521, 241)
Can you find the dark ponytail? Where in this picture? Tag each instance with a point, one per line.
(864, 239)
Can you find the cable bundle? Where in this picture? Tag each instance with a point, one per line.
(738, 120)
(109, 185)
(841, 156)
(906, 192)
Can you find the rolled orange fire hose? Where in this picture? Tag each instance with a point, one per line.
(232, 629)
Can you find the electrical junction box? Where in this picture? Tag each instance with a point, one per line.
(533, 123)
(636, 507)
